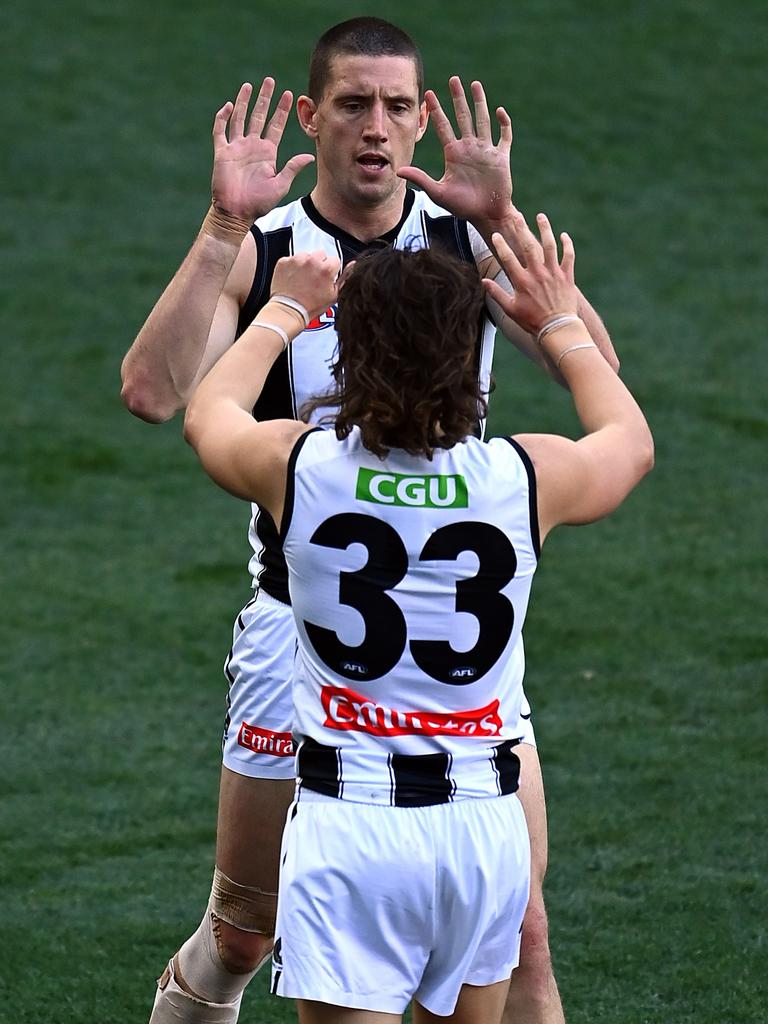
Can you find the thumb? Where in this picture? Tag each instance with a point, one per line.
(292, 168)
(419, 178)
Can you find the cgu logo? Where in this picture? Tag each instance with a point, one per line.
(431, 491)
(326, 319)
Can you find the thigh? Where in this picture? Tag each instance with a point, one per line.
(252, 815)
(531, 795)
(477, 1004)
(323, 1013)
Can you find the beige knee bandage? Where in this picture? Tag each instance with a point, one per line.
(197, 987)
(173, 1005)
(243, 906)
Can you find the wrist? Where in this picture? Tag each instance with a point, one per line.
(225, 226)
(278, 315)
(569, 337)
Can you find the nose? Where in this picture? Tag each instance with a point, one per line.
(376, 123)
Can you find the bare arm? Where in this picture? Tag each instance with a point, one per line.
(577, 481)
(244, 457)
(195, 319)
(477, 186)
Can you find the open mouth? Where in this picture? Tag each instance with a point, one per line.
(373, 163)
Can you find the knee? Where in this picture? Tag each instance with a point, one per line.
(534, 948)
(241, 952)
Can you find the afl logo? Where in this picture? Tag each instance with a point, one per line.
(326, 319)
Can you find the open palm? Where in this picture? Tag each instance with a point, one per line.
(245, 181)
(477, 182)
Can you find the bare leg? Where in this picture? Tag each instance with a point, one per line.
(206, 978)
(477, 1004)
(250, 829)
(311, 1012)
(533, 996)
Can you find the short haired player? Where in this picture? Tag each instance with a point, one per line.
(411, 546)
(364, 112)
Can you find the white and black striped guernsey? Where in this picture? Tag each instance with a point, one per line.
(409, 580)
(304, 370)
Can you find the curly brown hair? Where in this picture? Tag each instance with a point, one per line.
(408, 323)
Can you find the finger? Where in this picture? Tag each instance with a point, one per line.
(220, 126)
(443, 127)
(548, 243)
(261, 107)
(276, 126)
(461, 107)
(420, 179)
(505, 125)
(292, 168)
(237, 121)
(482, 117)
(499, 296)
(511, 265)
(569, 256)
(526, 239)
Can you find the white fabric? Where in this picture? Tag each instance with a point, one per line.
(257, 736)
(260, 712)
(362, 532)
(381, 905)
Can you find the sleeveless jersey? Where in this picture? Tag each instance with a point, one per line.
(409, 580)
(303, 371)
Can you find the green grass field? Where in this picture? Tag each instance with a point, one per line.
(640, 129)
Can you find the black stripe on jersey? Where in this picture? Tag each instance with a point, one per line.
(273, 575)
(348, 242)
(270, 247)
(533, 508)
(276, 399)
(450, 234)
(421, 780)
(507, 765)
(290, 483)
(317, 766)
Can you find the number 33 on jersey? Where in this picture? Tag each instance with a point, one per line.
(410, 580)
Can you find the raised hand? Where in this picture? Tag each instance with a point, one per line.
(310, 278)
(246, 183)
(477, 182)
(544, 287)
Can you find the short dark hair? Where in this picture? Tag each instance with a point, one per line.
(408, 323)
(368, 37)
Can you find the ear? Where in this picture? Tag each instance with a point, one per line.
(306, 111)
(423, 120)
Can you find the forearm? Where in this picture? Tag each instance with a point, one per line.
(601, 399)
(160, 368)
(597, 332)
(238, 377)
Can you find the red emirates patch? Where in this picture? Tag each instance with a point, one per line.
(347, 710)
(264, 741)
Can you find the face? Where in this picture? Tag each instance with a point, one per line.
(365, 127)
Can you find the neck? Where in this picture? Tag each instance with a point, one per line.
(364, 222)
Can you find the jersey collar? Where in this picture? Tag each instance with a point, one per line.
(349, 241)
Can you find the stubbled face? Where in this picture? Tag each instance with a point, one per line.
(366, 126)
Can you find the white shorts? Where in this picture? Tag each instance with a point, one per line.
(381, 905)
(257, 734)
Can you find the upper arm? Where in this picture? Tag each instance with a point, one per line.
(581, 481)
(245, 457)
